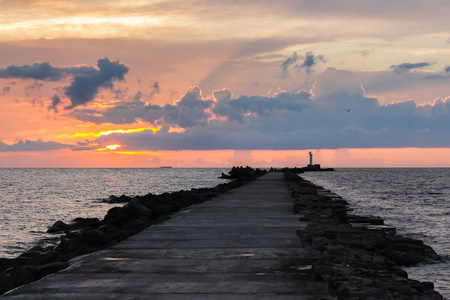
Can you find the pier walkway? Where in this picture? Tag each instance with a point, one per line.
(240, 245)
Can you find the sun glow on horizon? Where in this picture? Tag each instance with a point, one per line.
(105, 133)
(129, 130)
(113, 147)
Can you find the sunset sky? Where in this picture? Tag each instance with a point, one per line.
(220, 83)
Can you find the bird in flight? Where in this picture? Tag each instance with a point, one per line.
(348, 110)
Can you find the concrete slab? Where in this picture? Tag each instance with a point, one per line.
(240, 245)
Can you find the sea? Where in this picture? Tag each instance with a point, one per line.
(414, 200)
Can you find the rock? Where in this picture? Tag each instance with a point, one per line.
(136, 225)
(358, 256)
(368, 220)
(5, 284)
(46, 257)
(135, 210)
(121, 199)
(57, 227)
(112, 213)
(49, 248)
(159, 210)
(243, 174)
(344, 291)
(109, 229)
(407, 252)
(323, 272)
(84, 222)
(320, 241)
(93, 237)
(19, 275)
(36, 249)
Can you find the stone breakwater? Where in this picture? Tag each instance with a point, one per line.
(86, 235)
(358, 256)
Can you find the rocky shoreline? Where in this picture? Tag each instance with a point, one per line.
(358, 256)
(86, 235)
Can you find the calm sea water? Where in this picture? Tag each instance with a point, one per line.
(414, 200)
(31, 200)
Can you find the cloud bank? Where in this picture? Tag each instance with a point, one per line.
(43, 71)
(284, 121)
(29, 145)
(406, 67)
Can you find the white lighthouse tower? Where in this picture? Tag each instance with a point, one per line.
(310, 159)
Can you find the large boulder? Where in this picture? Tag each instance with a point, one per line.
(57, 227)
(84, 222)
(136, 210)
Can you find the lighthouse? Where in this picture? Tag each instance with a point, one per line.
(310, 159)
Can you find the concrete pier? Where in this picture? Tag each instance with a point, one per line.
(240, 245)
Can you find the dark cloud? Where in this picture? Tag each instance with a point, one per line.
(85, 145)
(368, 125)
(222, 95)
(287, 63)
(37, 102)
(55, 101)
(190, 111)
(35, 86)
(366, 52)
(447, 69)
(288, 121)
(155, 89)
(85, 87)
(120, 93)
(6, 90)
(238, 109)
(310, 61)
(156, 86)
(435, 76)
(406, 67)
(86, 83)
(43, 71)
(29, 145)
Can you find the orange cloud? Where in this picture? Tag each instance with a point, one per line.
(45, 3)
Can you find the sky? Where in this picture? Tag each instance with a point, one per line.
(221, 83)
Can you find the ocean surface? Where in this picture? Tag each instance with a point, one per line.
(31, 200)
(416, 201)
